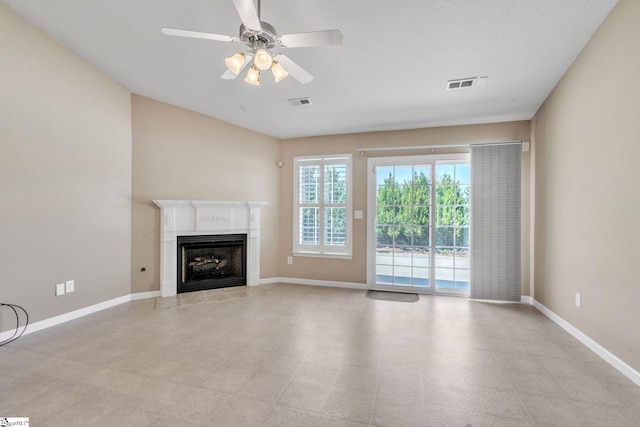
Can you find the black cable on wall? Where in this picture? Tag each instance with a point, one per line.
(19, 329)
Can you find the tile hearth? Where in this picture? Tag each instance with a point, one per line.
(211, 295)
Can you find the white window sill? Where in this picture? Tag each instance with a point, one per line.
(322, 255)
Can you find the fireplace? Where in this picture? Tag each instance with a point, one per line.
(182, 220)
(211, 262)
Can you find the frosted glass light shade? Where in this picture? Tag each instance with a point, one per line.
(235, 62)
(253, 76)
(279, 73)
(263, 59)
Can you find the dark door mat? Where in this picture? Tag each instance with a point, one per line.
(392, 296)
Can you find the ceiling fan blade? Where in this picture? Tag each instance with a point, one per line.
(230, 75)
(312, 38)
(294, 69)
(248, 14)
(198, 35)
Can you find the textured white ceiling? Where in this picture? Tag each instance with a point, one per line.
(390, 73)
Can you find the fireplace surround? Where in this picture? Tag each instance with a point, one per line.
(206, 218)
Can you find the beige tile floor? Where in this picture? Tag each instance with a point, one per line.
(290, 355)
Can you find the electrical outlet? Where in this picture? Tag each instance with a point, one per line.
(289, 260)
(70, 286)
(578, 300)
(59, 289)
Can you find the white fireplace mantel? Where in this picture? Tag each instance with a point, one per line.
(200, 217)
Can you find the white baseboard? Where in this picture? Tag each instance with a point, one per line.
(605, 354)
(526, 300)
(76, 314)
(145, 295)
(269, 281)
(312, 282)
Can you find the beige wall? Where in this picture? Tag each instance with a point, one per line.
(354, 270)
(178, 154)
(65, 175)
(587, 138)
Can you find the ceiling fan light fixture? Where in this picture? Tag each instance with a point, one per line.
(253, 76)
(263, 59)
(235, 62)
(279, 73)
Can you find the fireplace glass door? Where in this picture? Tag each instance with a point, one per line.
(211, 262)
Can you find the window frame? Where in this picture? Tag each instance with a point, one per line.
(323, 250)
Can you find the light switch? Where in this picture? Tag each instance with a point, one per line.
(357, 214)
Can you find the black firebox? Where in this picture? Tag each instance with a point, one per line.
(210, 262)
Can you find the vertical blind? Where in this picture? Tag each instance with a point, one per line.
(495, 222)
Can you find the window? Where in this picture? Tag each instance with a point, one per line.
(322, 206)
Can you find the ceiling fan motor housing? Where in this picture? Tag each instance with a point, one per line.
(267, 36)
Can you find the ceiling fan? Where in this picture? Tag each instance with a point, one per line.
(261, 38)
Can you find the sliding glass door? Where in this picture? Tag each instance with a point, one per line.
(402, 229)
(452, 227)
(419, 224)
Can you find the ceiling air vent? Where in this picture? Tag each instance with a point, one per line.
(299, 101)
(460, 83)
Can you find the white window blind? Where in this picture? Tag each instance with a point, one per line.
(322, 206)
(495, 222)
